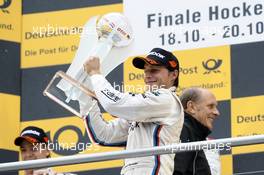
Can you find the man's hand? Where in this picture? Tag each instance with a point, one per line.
(92, 66)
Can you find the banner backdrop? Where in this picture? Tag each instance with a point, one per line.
(178, 25)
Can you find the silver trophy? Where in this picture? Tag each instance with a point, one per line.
(108, 37)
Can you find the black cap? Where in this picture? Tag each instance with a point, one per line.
(159, 57)
(32, 134)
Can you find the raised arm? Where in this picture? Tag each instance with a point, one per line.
(112, 133)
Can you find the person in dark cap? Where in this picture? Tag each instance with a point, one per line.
(160, 57)
(33, 143)
(33, 136)
(153, 118)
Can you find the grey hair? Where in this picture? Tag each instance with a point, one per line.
(190, 94)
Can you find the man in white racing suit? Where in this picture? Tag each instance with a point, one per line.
(154, 118)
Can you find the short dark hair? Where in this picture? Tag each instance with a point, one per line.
(190, 94)
(176, 82)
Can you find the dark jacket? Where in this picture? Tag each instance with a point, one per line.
(194, 162)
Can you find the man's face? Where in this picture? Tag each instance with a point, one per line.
(158, 77)
(205, 109)
(33, 152)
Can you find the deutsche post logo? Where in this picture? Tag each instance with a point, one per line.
(5, 5)
(212, 65)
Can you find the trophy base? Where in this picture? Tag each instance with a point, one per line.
(79, 107)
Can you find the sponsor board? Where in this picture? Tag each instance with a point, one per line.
(226, 164)
(10, 20)
(52, 38)
(207, 68)
(10, 119)
(181, 25)
(247, 119)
